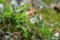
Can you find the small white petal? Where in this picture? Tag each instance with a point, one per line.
(56, 34)
(52, 25)
(32, 20)
(7, 36)
(41, 18)
(41, 6)
(1, 5)
(22, 3)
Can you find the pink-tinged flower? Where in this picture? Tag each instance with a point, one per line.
(22, 3)
(56, 34)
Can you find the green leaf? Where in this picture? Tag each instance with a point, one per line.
(58, 23)
(18, 26)
(2, 1)
(19, 21)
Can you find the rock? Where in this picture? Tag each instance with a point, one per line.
(6, 36)
(55, 5)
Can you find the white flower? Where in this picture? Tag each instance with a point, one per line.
(56, 34)
(41, 6)
(14, 3)
(1, 8)
(7, 36)
(41, 18)
(32, 20)
(22, 3)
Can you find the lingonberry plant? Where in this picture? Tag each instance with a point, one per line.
(25, 23)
